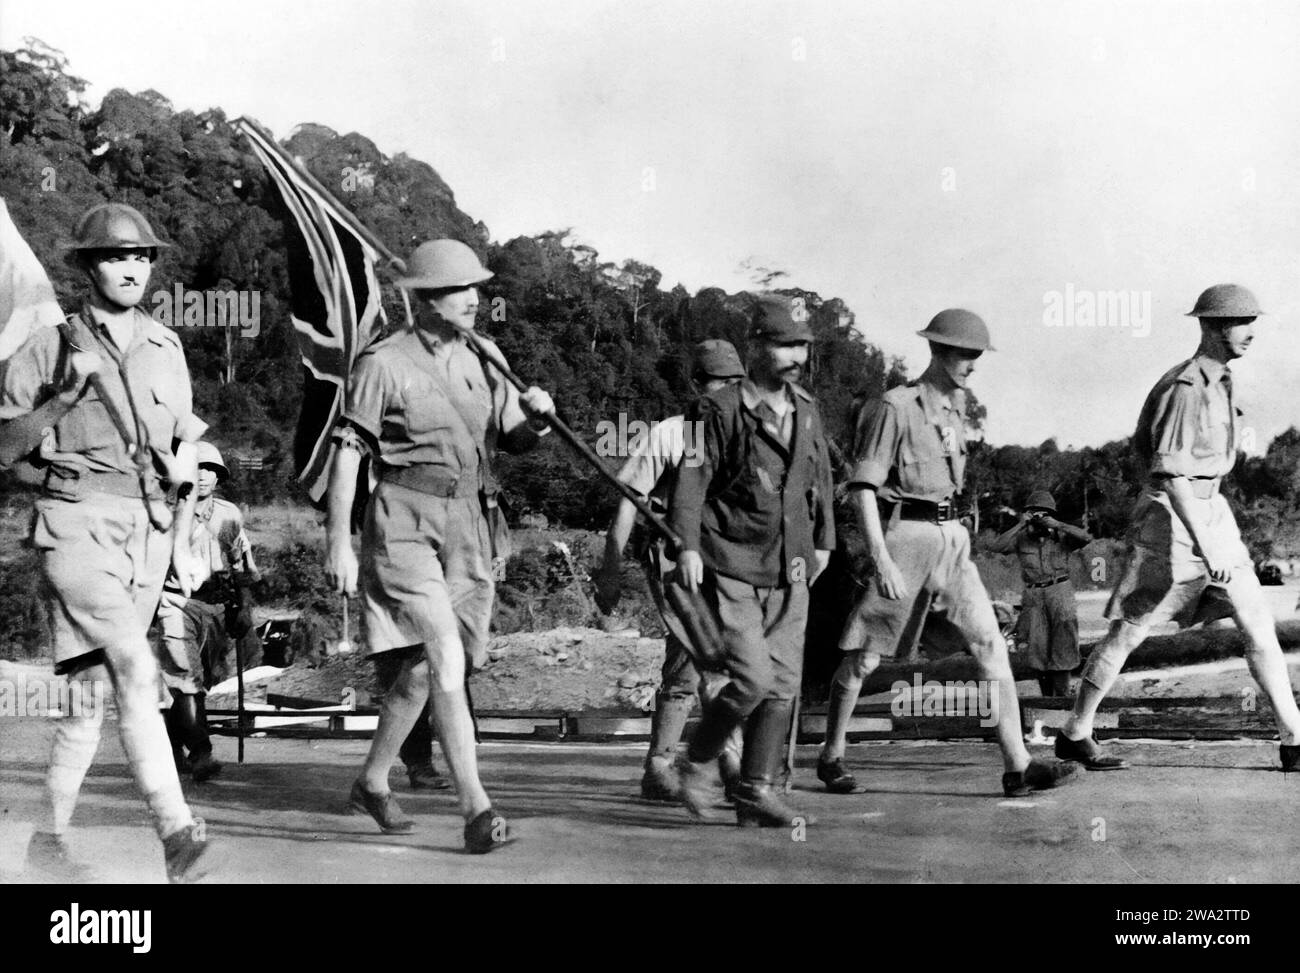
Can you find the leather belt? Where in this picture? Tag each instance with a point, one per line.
(1047, 584)
(927, 510)
(60, 479)
(1203, 487)
(436, 481)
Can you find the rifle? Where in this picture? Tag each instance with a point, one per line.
(697, 617)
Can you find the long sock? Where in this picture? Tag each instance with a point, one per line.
(398, 713)
(456, 734)
(148, 751)
(845, 689)
(839, 713)
(1270, 670)
(76, 738)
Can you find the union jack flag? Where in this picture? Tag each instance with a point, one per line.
(336, 305)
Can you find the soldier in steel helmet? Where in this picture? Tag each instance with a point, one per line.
(195, 627)
(1049, 618)
(757, 528)
(100, 409)
(909, 463)
(652, 471)
(431, 416)
(1186, 560)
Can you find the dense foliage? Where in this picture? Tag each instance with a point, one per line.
(606, 339)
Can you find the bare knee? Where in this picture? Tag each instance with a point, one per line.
(856, 666)
(446, 665)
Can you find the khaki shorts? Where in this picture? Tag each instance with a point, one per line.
(189, 627)
(426, 573)
(1164, 580)
(103, 566)
(934, 560)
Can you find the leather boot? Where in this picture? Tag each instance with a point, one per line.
(758, 799)
(671, 713)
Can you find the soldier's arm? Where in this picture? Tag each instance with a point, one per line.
(519, 416)
(27, 408)
(875, 448)
(1005, 542)
(340, 561)
(1073, 536)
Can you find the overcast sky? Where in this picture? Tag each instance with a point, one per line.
(904, 156)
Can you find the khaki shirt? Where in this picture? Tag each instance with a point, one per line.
(1045, 558)
(218, 541)
(155, 369)
(1188, 424)
(418, 400)
(911, 444)
(651, 468)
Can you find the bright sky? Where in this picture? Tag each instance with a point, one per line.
(906, 156)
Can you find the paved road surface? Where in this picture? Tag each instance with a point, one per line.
(930, 813)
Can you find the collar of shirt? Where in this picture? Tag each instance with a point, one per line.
(436, 346)
(779, 426)
(936, 404)
(1213, 370)
(94, 317)
(203, 508)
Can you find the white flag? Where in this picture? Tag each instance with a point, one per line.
(27, 300)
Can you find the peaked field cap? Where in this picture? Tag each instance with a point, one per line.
(439, 264)
(775, 320)
(113, 226)
(1226, 301)
(958, 328)
(1042, 500)
(718, 359)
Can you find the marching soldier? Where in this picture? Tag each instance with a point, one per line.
(1048, 615)
(103, 403)
(757, 528)
(1186, 560)
(652, 471)
(430, 415)
(910, 459)
(195, 628)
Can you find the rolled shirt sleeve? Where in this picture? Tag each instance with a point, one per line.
(370, 389)
(1173, 431)
(875, 444)
(26, 378)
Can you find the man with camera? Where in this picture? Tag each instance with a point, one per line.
(1048, 616)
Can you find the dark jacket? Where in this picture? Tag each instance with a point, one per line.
(755, 509)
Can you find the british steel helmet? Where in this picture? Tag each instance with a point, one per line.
(440, 264)
(959, 329)
(1225, 301)
(1041, 500)
(113, 226)
(209, 455)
